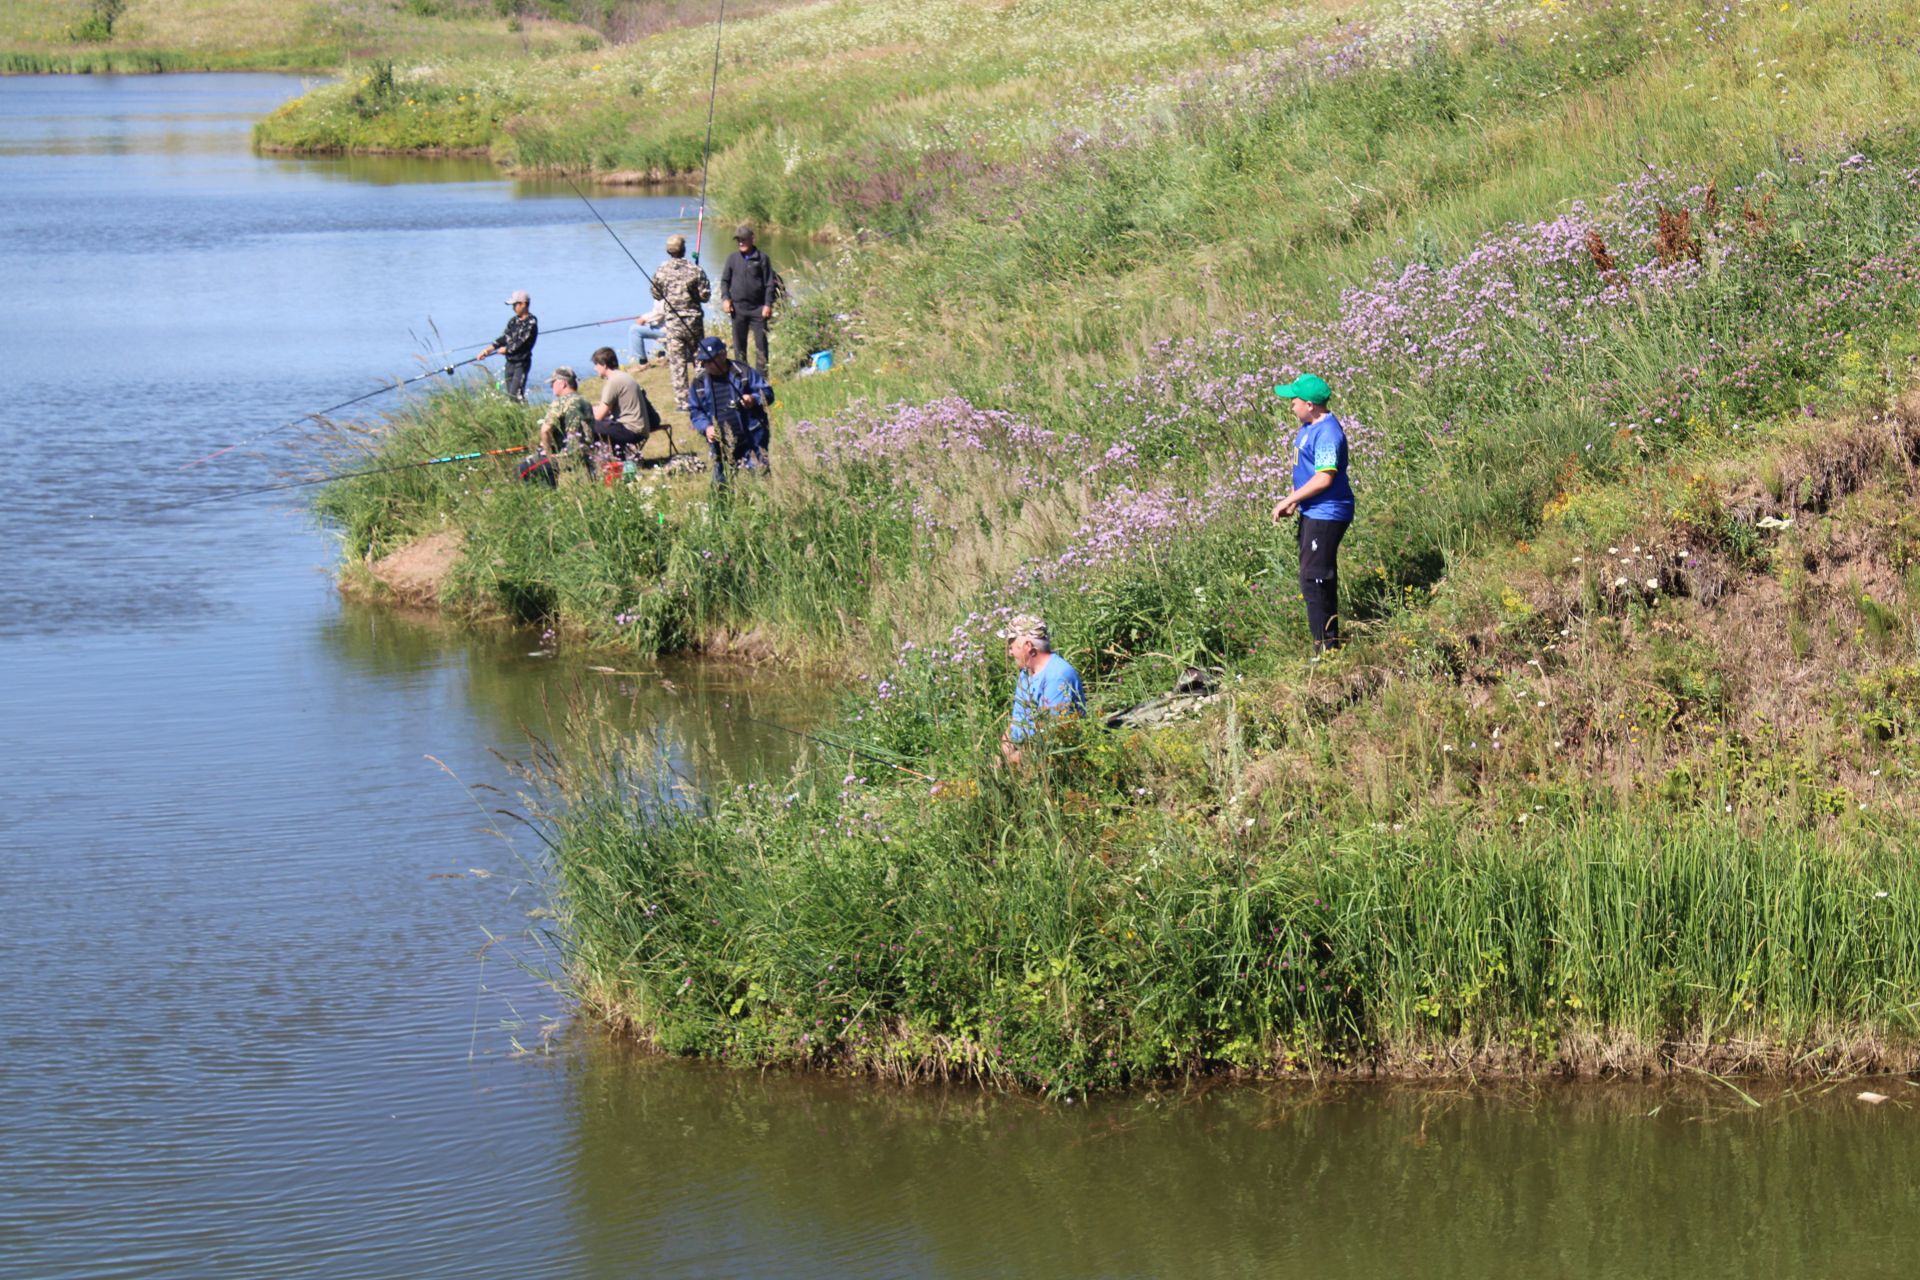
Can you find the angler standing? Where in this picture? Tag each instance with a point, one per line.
(727, 403)
(747, 285)
(683, 289)
(1322, 498)
(516, 343)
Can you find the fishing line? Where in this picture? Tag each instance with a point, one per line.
(706, 151)
(321, 413)
(855, 748)
(610, 231)
(345, 475)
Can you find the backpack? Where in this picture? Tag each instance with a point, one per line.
(778, 290)
(649, 416)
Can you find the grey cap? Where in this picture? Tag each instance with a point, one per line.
(518, 295)
(744, 232)
(676, 244)
(1025, 626)
(564, 373)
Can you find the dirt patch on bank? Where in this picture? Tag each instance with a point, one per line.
(413, 575)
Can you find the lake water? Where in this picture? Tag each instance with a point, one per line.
(269, 980)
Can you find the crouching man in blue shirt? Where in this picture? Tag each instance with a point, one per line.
(1322, 499)
(727, 403)
(1046, 686)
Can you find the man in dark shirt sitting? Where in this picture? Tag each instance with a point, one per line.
(727, 403)
(516, 343)
(746, 291)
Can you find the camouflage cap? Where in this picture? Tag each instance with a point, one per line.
(1025, 626)
(564, 373)
(676, 245)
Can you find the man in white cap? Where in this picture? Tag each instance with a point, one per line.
(1046, 686)
(683, 289)
(516, 343)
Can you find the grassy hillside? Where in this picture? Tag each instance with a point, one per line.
(195, 35)
(1619, 303)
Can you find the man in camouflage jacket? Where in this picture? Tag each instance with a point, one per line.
(567, 427)
(682, 287)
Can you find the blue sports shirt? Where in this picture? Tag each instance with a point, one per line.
(1322, 446)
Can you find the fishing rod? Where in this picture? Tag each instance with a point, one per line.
(856, 749)
(346, 475)
(565, 328)
(706, 152)
(321, 413)
(610, 231)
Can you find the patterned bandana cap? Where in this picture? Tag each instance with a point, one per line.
(1025, 626)
(676, 245)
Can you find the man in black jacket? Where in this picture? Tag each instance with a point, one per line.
(746, 291)
(517, 344)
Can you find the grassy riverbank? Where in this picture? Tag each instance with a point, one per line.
(100, 36)
(1619, 305)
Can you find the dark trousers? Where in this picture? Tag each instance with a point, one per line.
(1320, 578)
(516, 380)
(739, 448)
(749, 320)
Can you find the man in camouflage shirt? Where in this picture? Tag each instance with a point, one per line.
(682, 287)
(516, 343)
(568, 425)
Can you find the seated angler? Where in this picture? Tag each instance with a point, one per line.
(727, 403)
(1045, 685)
(623, 417)
(567, 428)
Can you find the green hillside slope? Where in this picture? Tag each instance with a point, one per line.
(1619, 304)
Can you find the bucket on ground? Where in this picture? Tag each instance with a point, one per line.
(822, 361)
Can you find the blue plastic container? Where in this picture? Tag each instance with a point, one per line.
(822, 361)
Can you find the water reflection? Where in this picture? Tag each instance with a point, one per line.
(697, 722)
(690, 1171)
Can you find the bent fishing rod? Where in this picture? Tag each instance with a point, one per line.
(321, 413)
(706, 151)
(345, 475)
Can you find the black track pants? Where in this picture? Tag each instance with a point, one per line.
(516, 380)
(1320, 578)
(749, 321)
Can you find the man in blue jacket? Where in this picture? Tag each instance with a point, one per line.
(1322, 498)
(727, 403)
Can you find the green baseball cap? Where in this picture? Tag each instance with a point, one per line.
(1305, 387)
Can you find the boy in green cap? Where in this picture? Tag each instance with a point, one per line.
(1323, 500)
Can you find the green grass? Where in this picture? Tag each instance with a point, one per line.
(74, 37)
(1586, 672)
(1013, 935)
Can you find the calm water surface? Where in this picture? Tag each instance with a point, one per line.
(266, 977)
